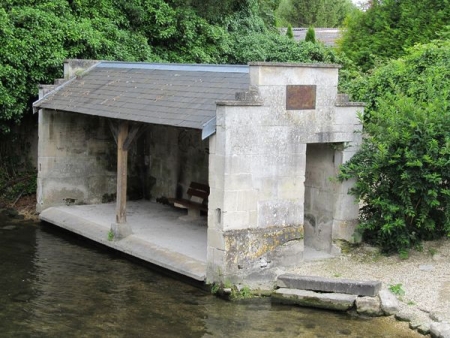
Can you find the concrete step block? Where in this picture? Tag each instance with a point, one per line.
(369, 306)
(330, 301)
(389, 303)
(314, 283)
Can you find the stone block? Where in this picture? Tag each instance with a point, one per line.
(345, 207)
(389, 303)
(247, 200)
(440, 316)
(348, 153)
(238, 182)
(289, 254)
(215, 200)
(346, 230)
(424, 328)
(218, 257)
(253, 219)
(236, 164)
(230, 201)
(293, 74)
(291, 188)
(369, 306)
(313, 283)
(215, 239)
(440, 330)
(331, 301)
(235, 220)
(279, 213)
(346, 115)
(405, 315)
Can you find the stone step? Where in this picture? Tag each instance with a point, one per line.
(345, 286)
(330, 301)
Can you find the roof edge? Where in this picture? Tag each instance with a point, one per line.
(292, 64)
(52, 92)
(176, 67)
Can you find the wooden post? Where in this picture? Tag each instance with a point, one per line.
(122, 157)
(123, 137)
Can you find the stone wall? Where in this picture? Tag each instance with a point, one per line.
(170, 159)
(76, 159)
(258, 164)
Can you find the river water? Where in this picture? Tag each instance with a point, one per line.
(55, 284)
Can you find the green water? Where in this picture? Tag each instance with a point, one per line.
(55, 284)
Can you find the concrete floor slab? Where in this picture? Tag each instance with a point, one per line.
(159, 236)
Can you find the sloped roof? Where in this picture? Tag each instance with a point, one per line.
(168, 94)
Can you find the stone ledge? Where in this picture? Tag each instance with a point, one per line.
(313, 283)
(331, 301)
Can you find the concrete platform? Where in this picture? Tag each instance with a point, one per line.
(330, 301)
(321, 284)
(159, 235)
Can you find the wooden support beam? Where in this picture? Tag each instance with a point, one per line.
(136, 130)
(124, 136)
(114, 129)
(122, 157)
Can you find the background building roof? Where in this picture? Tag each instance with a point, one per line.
(327, 36)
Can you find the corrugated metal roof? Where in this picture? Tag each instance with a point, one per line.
(169, 94)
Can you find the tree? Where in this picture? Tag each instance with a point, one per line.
(402, 169)
(289, 32)
(317, 13)
(310, 35)
(388, 27)
(34, 41)
(36, 37)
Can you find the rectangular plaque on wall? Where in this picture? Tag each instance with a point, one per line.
(300, 97)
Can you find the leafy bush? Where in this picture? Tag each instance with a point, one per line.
(403, 167)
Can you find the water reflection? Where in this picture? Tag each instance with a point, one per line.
(56, 285)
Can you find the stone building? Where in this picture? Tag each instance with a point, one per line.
(266, 138)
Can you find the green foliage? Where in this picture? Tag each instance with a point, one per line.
(318, 13)
(432, 251)
(35, 39)
(388, 27)
(289, 32)
(402, 169)
(37, 36)
(272, 47)
(110, 235)
(17, 174)
(310, 35)
(229, 291)
(397, 289)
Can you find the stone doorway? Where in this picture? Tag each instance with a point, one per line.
(320, 196)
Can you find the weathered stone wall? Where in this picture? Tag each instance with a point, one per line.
(320, 195)
(174, 158)
(258, 164)
(76, 159)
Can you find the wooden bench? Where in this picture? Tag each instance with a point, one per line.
(198, 199)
